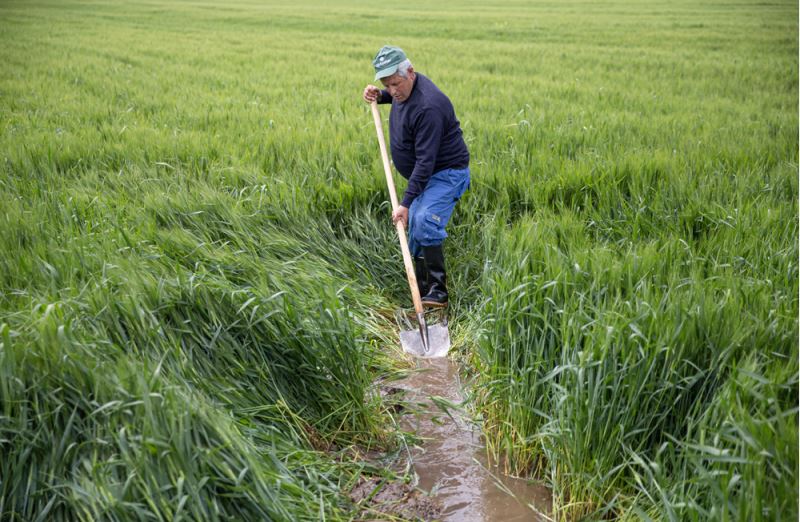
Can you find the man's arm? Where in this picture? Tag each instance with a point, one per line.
(428, 136)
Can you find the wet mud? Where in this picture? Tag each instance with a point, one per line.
(389, 500)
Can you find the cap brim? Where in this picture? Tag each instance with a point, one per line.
(383, 73)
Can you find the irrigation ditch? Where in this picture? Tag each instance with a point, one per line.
(451, 477)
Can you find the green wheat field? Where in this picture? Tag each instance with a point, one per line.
(198, 272)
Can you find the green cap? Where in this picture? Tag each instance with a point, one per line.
(387, 60)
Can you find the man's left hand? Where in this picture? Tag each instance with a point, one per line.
(400, 213)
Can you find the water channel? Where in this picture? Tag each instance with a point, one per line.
(451, 461)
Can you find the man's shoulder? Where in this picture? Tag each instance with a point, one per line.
(427, 85)
(432, 97)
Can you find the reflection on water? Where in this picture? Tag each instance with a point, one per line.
(451, 460)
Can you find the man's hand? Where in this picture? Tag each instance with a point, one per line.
(401, 213)
(371, 93)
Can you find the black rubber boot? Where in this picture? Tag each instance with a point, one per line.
(436, 297)
(421, 272)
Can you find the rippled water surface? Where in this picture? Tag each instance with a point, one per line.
(451, 460)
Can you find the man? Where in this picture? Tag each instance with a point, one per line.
(429, 151)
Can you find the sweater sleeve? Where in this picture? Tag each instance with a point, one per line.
(384, 97)
(428, 136)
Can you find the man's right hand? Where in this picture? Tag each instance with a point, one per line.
(371, 93)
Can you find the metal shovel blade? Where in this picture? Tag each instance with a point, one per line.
(438, 342)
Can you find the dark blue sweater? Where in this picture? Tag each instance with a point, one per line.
(425, 136)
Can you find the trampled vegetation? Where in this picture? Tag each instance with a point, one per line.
(196, 266)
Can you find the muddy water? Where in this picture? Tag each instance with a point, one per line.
(451, 462)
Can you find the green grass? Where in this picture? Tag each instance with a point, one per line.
(196, 264)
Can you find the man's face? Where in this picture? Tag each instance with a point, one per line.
(400, 88)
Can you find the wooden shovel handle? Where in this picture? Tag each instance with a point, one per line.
(401, 229)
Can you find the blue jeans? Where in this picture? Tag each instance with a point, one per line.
(431, 210)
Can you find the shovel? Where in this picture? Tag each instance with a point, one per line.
(427, 341)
